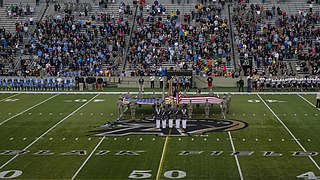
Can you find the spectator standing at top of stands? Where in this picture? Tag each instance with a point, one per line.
(37, 2)
(1, 3)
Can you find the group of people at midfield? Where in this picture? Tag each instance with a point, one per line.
(168, 115)
(39, 84)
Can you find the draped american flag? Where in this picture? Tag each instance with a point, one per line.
(183, 100)
(150, 101)
(197, 100)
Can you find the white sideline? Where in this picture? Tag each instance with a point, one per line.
(150, 93)
(306, 100)
(235, 156)
(295, 139)
(9, 97)
(95, 148)
(28, 109)
(48, 131)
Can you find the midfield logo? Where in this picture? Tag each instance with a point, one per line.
(147, 126)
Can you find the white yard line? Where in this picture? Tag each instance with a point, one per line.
(95, 148)
(85, 162)
(294, 138)
(235, 156)
(150, 93)
(48, 131)
(28, 109)
(306, 100)
(9, 97)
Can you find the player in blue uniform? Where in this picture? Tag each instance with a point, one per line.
(37, 84)
(18, 84)
(25, 84)
(66, 84)
(6, 81)
(31, 84)
(54, 84)
(71, 84)
(14, 84)
(48, 86)
(42, 84)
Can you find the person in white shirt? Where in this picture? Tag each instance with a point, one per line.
(161, 79)
(152, 78)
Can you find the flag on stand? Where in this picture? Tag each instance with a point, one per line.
(178, 98)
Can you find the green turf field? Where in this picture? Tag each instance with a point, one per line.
(50, 136)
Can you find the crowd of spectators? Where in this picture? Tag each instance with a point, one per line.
(75, 42)
(197, 40)
(19, 10)
(269, 36)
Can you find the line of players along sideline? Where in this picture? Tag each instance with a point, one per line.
(287, 84)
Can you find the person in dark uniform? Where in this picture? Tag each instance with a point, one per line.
(163, 117)
(141, 87)
(157, 115)
(241, 84)
(184, 116)
(318, 100)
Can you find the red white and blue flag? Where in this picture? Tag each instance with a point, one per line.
(197, 100)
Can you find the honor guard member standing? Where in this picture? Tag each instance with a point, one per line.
(141, 87)
(223, 107)
(133, 107)
(177, 116)
(152, 79)
(170, 116)
(184, 117)
(158, 115)
(120, 107)
(207, 109)
(190, 109)
(228, 102)
(318, 100)
(163, 118)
